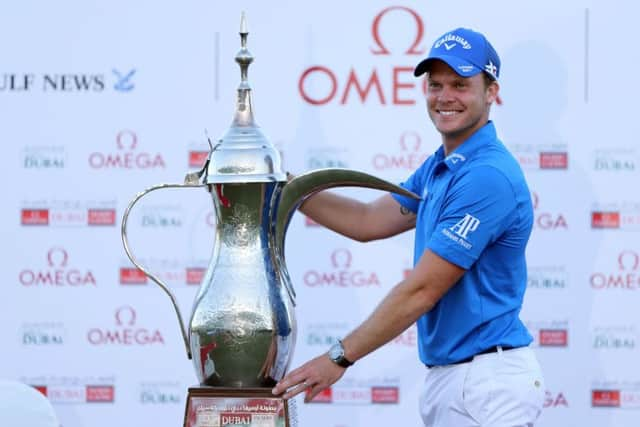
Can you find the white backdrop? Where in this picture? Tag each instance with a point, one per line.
(101, 100)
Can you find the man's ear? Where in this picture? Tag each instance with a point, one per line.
(492, 93)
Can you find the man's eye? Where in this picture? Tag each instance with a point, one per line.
(434, 85)
(460, 85)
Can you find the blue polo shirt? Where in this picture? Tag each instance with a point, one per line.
(475, 212)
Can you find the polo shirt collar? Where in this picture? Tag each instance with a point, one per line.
(481, 138)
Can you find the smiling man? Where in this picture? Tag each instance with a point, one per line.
(469, 278)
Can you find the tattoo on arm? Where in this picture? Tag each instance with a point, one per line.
(411, 217)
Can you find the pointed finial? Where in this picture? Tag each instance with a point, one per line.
(244, 57)
(244, 110)
(243, 24)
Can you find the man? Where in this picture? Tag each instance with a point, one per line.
(466, 289)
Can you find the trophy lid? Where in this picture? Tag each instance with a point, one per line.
(243, 154)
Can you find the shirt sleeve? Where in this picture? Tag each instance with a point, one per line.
(478, 208)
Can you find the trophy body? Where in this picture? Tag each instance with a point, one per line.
(242, 327)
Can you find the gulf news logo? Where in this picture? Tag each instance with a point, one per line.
(118, 80)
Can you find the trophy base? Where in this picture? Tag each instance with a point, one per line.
(247, 407)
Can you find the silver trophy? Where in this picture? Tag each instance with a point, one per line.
(242, 329)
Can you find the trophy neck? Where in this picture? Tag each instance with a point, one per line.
(243, 115)
(243, 154)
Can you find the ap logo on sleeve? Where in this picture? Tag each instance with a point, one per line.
(465, 226)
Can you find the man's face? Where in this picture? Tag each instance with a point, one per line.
(458, 106)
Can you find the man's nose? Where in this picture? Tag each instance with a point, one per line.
(446, 94)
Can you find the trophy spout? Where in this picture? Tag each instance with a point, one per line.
(303, 186)
(156, 280)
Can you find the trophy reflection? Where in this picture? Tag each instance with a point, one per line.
(242, 328)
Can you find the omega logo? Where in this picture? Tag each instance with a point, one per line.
(341, 258)
(126, 157)
(57, 274)
(127, 313)
(410, 157)
(62, 257)
(320, 84)
(126, 332)
(375, 32)
(628, 259)
(126, 139)
(626, 278)
(341, 276)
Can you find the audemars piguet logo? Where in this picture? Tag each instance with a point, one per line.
(460, 230)
(465, 226)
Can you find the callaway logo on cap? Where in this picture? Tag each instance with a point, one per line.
(465, 51)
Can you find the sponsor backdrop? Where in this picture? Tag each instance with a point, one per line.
(101, 101)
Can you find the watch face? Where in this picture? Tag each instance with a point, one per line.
(335, 352)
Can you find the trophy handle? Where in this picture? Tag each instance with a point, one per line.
(125, 242)
(302, 186)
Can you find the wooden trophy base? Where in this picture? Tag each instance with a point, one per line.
(246, 407)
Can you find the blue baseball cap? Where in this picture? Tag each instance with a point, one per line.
(466, 51)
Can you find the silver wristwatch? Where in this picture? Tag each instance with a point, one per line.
(336, 354)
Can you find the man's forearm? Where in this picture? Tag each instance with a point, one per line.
(397, 311)
(430, 279)
(340, 214)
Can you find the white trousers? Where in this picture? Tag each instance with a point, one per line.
(501, 389)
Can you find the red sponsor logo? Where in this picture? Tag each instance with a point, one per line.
(126, 331)
(41, 388)
(195, 275)
(127, 156)
(553, 337)
(342, 275)
(132, 276)
(626, 277)
(605, 219)
(197, 158)
(385, 395)
(554, 160)
(320, 85)
(100, 393)
(101, 216)
(57, 274)
(34, 217)
(605, 398)
(352, 395)
(325, 396)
